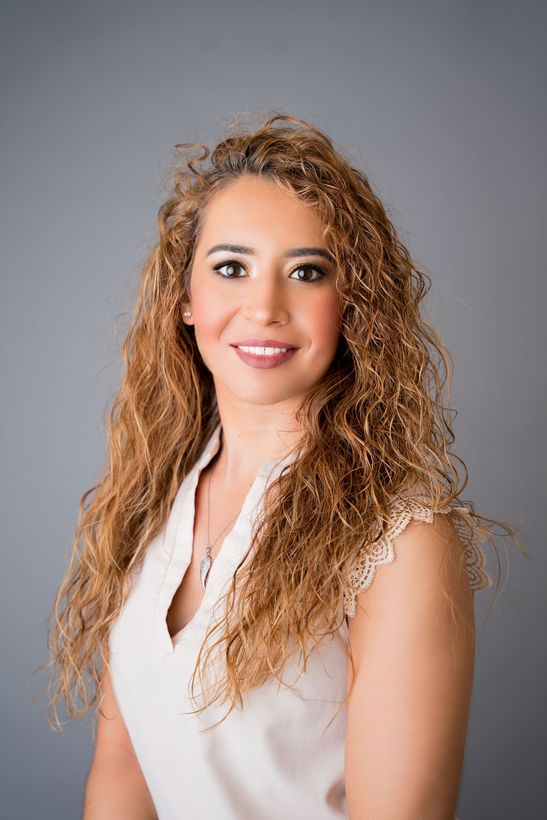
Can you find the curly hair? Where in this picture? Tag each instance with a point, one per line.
(373, 425)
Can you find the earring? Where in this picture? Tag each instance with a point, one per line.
(187, 313)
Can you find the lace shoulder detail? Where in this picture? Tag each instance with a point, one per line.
(404, 509)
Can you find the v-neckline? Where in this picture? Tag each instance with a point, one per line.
(186, 533)
(179, 531)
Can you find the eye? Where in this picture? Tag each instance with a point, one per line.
(232, 265)
(310, 267)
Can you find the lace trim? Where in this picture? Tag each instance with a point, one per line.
(381, 551)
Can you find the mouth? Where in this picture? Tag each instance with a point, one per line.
(264, 350)
(264, 346)
(264, 357)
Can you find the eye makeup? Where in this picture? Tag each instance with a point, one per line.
(306, 265)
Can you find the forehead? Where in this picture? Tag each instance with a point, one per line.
(252, 206)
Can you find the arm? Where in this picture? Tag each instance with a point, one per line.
(115, 787)
(414, 658)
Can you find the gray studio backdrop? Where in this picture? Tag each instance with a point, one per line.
(443, 105)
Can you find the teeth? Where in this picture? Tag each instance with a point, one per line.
(263, 351)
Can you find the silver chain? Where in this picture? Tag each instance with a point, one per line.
(206, 562)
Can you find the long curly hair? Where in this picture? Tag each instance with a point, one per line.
(374, 424)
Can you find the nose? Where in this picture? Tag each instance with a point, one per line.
(266, 300)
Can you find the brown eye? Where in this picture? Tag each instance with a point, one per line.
(231, 266)
(310, 268)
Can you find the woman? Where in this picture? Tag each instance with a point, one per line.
(277, 441)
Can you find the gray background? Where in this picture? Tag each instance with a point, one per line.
(443, 105)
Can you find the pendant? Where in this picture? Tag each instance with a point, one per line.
(204, 567)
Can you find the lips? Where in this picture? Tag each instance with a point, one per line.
(266, 362)
(263, 343)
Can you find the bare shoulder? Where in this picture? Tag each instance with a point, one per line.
(427, 578)
(412, 640)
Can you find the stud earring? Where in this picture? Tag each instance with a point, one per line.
(187, 313)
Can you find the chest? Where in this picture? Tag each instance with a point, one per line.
(152, 663)
(214, 515)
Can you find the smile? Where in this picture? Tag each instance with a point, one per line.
(262, 351)
(264, 357)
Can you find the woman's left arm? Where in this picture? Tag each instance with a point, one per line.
(413, 643)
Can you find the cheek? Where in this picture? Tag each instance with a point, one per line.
(210, 315)
(325, 320)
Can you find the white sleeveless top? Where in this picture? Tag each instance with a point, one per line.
(278, 757)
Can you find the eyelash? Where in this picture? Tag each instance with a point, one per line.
(217, 268)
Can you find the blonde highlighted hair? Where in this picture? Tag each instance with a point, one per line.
(375, 424)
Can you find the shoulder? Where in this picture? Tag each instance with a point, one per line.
(426, 547)
(411, 639)
(425, 578)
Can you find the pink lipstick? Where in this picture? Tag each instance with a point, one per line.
(264, 360)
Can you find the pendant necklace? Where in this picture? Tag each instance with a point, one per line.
(206, 561)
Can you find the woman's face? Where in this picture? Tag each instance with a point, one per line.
(274, 283)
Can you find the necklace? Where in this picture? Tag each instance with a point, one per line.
(206, 561)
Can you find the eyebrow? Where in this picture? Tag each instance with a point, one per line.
(243, 249)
